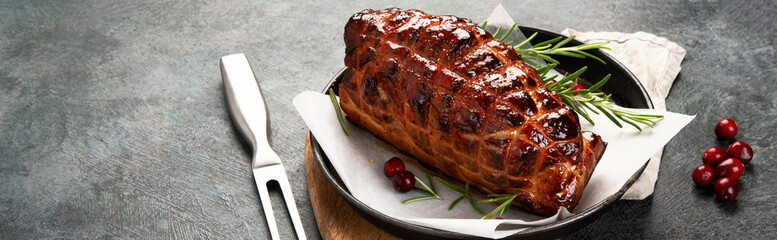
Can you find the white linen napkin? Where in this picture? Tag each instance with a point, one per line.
(655, 61)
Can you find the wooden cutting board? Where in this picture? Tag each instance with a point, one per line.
(336, 219)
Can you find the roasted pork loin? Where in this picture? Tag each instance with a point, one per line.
(445, 91)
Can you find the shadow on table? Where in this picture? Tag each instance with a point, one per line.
(630, 215)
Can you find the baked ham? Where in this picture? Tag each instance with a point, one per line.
(445, 91)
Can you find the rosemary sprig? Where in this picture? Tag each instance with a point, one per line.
(338, 112)
(505, 199)
(430, 191)
(584, 100)
(604, 105)
(581, 101)
(556, 47)
(465, 195)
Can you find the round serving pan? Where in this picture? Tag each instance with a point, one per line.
(626, 91)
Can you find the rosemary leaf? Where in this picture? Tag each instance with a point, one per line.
(596, 45)
(497, 31)
(577, 110)
(490, 200)
(563, 42)
(587, 107)
(548, 43)
(431, 184)
(338, 112)
(454, 188)
(585, 54)
(508, 33)
(547, 58)
(608, 116)
(528, 61)
(629, 122)
(500, 208)
(573, 75)
(475, 206)
(571, 54)
(417, 189)
(427, 188)
(418, 199)
(652, 116)
(545, 69)
(517, 46)
(453, 204)
(600, 83)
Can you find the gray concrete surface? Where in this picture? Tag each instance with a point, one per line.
(113, 122)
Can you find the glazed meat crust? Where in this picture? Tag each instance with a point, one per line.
(445, 91)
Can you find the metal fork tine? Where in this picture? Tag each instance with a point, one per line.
(264, 196)
(277, 173)
(292, 206)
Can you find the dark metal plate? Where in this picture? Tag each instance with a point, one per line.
(626, 91)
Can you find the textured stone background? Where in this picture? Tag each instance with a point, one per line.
(113, 121)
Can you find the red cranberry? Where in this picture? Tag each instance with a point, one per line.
(578, 86)
(713, 155)
(726, 129)
(393, 166)
(741, 150)
(726, 189)
(703, 175)
(730, 168)
(403, 181)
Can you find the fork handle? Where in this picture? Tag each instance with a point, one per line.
(248, 108)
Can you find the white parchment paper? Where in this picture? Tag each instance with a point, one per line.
(359, 159)
(627, 151)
